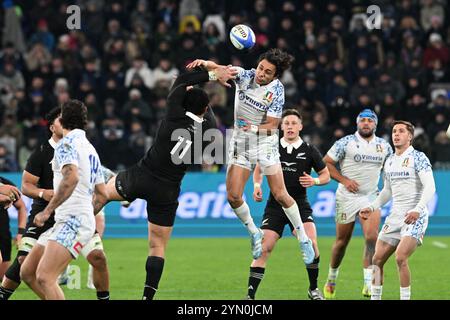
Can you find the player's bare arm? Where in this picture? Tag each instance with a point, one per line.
(100, 197)
(30, 187)
(349, 184)
(65, 189)
(308, 181)
(257, 181)
(22, 218)
(269, 127)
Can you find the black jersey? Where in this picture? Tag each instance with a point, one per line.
(295, 159)
(173, 149)
(4, 217)
(39, 165)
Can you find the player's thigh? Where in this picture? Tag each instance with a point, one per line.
(158, 236)
(276, 179)
(54, 261)
(383, 251)
(111, 190)
(371, 225)
(344, 232)
(31, 261)
(406, 247)
(236, 179)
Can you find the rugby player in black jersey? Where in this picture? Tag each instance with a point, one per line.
(297, 159)
(157, 177)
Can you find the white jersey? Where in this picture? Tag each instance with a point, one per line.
(77, 150)
(402, 177)
(361, 161)
(254, 102)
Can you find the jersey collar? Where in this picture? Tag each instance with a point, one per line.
(52, 142)
(294, 145)
(194, 117)
(361, 139)
(406, 152)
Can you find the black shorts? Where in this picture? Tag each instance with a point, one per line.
(275, 219)
(161, 195)
(5, 245)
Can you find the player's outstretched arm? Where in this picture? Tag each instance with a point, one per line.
(100, 198)
(207, 64)
(65, 189)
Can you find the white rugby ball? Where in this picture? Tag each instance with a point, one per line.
(242, 37)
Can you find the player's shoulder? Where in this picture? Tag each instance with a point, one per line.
(421, 160)
(380, 140)
(344, 141)
(277, 86)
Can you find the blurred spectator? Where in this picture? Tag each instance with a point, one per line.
(430, 9)
(436, 51)
(136, 109)
(7, 162)
(43, 35)
(25, 151)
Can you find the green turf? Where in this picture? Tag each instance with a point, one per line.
(218, 269)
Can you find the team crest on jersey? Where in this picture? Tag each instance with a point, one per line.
(268, 97)
(379, 148)
(405, 162)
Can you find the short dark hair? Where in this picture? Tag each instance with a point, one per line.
(292, 112)
(281, 60)
(409, 125)
(52, 115)
(196, 100)
(73, 115)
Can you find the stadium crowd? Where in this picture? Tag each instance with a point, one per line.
(127, 54)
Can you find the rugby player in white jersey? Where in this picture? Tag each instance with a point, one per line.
(409, 182)
(258, 106)
(77, 173)
(361, 157)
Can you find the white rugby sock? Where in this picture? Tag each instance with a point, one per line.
(405, 293)
(333, 274)
(293, 214)
(368, 277)
(376, 292)
(243, 213)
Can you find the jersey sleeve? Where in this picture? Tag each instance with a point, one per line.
(100, 176)
(107, 174)
(276, 107)
(66, 154)
(244, 76)
(175, 108)
(34, 163)
(421, 162)
(317, 159)
(337, 151)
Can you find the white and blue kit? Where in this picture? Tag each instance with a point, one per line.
(409, 181)
(362, 161)
(255, 103)
(74, 218)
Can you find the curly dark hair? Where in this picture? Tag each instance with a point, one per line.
(73, 115)
(52, 115)
(281, 60)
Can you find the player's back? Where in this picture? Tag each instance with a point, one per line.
(77, 150)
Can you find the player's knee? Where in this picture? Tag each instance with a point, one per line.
(281, 197)
(234, 199)
(341, 244)
(26, 274)
(97, 259)
(401, 259)
(371, 239)
(376, 260)
(43, 279)
(21, 259)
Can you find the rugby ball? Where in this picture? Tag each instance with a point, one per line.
(242, 37)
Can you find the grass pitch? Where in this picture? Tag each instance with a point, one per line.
(217, 269)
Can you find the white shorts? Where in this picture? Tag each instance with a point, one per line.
(246, 150)
(348, 206)
(393, 233)
(71, 234)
